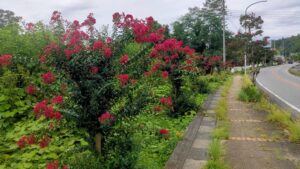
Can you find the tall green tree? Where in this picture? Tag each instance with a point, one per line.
(201, 28)
(8, 17)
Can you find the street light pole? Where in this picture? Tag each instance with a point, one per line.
(224, 45)
(245, 56)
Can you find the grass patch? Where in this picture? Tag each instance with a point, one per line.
(221, 109)
(249, 92)
(216, 150)
(294, 72)
(222, 130)
(216, 153)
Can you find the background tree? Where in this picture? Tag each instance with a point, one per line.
(8, 17)
(253, 28)
(201, 28)
(289, 47)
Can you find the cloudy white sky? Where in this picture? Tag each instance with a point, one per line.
(282, 17)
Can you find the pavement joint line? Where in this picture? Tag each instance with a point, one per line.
(250, 121)
(239, 109)
(254, 139)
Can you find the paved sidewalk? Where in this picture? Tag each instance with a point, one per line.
(255, 143)
(192, 151)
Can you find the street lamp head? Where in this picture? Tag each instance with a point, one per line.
(254, 4)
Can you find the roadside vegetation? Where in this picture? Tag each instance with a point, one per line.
(275, 113)
(221, 132)
(295, 70)
(125, 104)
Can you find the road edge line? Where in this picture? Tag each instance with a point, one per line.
(278, 97)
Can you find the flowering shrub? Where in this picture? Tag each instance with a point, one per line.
(210, 63)
(37, 139)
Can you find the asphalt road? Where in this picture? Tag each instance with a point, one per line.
(283, 85)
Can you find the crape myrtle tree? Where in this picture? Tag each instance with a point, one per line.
(95, 65)
(253, 28)
(168, 58)
(99, 72)
(261, 53)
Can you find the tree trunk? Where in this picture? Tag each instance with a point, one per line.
(98, 142)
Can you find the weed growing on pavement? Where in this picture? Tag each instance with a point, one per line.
(216, 150)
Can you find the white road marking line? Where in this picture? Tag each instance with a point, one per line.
(284, 101)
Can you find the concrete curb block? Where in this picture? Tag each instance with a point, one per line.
(192, 151)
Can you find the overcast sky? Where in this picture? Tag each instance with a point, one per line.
(282, 17)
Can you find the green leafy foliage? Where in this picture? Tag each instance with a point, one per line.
(17, 119)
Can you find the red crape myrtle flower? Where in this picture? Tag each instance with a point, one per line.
(49, 112)
(22, 142)
(108, 40)
(94, 70)
(124, 59)
(164, 133)
(40, 108)
(31, 139)
(57, 115)
(107, 53)
(31, 89)
(147, 74)
(48, 78)
(165, 74)
(123, 78)
(44, 142)
(53, 165)
(105, 118)
(166, 100)
(43, 59)
(5, 60)
(97, 45)
(57, 100)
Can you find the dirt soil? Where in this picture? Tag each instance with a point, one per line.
(255, 143)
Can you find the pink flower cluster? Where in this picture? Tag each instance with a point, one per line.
(5, 60)
(42, 108)
(55, 165)
(124, 59)
(123, 79)
(166, 101)
(164, 133)
(48, 77)
(31, 139)
(142, 29)
(105, 118)
(31, 89)
(26, 140)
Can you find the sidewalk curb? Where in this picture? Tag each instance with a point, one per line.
(192, 151)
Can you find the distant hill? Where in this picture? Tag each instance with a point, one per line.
(288, 46)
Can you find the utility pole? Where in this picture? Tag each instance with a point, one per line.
(283, 48)
(224, 41)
